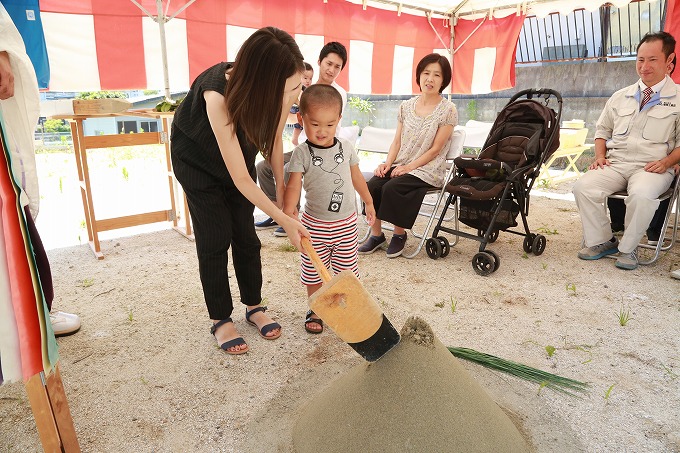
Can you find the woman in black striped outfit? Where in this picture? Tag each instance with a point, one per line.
(232, 112)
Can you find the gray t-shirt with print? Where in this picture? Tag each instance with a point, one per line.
(329, 192)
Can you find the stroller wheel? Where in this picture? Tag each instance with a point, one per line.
(483, 263)
(433, 248)
(538, 245)
(528, 242)
(446, 247)
(496, 260)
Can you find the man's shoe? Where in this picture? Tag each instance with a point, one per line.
(64, 323)
(397, 244)
(627, 261)
(598, 251)
(372, 244)
(653, 237)
(266, 224)
(280, 232)
(676, 274)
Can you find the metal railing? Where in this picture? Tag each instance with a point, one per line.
(608, 32)
(53, 139)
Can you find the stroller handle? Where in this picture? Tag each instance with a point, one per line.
(531, 92)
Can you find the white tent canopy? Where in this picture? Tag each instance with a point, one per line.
(94, 45)
(479, 8)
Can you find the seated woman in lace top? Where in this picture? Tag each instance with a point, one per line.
(416, 161)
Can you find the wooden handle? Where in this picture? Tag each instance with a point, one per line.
(316, 261)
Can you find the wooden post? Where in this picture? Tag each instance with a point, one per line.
(51, 413)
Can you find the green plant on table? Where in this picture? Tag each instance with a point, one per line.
(365, 107)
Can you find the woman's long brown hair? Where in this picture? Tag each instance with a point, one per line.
(254, 94)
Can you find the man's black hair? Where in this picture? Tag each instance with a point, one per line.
(667, 40)
(334, 47)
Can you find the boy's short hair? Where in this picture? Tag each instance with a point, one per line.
(443, 62)
(667, 41)
(320, 95)
(308, 67)
(334, 47)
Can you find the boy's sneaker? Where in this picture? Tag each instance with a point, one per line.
(266, 224)
(280, 232)
(598, 251)
(397, 244)
(372, 244)
(627, 261)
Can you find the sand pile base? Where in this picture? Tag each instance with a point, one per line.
(416, 398)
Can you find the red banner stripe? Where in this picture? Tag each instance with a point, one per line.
(206, 36)
(123, 66)
(381, 75)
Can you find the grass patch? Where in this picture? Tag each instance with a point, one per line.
(287, 247)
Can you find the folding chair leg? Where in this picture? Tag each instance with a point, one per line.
(430, 221)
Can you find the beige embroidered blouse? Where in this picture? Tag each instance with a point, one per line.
(417, 136)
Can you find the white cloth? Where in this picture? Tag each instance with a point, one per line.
(20, 113)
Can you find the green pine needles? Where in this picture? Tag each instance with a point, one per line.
(543, 378)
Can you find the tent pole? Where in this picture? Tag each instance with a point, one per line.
(164, 51)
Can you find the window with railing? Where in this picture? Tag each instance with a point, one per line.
(608, 32)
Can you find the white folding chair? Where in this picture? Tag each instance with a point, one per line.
(377, 143)
(455, 149)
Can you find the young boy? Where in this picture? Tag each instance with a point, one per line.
(328, 164)
(332, 60)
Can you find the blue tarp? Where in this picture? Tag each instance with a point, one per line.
(26, 16)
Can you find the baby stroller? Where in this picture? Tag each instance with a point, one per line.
(493, 188)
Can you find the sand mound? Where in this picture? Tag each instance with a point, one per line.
(415, 398)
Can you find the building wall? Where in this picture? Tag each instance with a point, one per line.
(585, 88)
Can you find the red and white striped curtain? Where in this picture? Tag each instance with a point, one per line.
(113, 45)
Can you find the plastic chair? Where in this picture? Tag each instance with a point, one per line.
(376, 142)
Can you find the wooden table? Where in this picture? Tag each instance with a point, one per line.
(82, 143)
(571, 154)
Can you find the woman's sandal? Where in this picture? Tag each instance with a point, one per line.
(309, 319)
(265, 329)
(238, 341)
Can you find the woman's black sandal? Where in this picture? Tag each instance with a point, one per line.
(238, 341)
(265, 329)
(309, 319)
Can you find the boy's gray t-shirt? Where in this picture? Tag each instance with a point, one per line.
(329, 192)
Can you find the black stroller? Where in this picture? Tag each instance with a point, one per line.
(493, 188)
